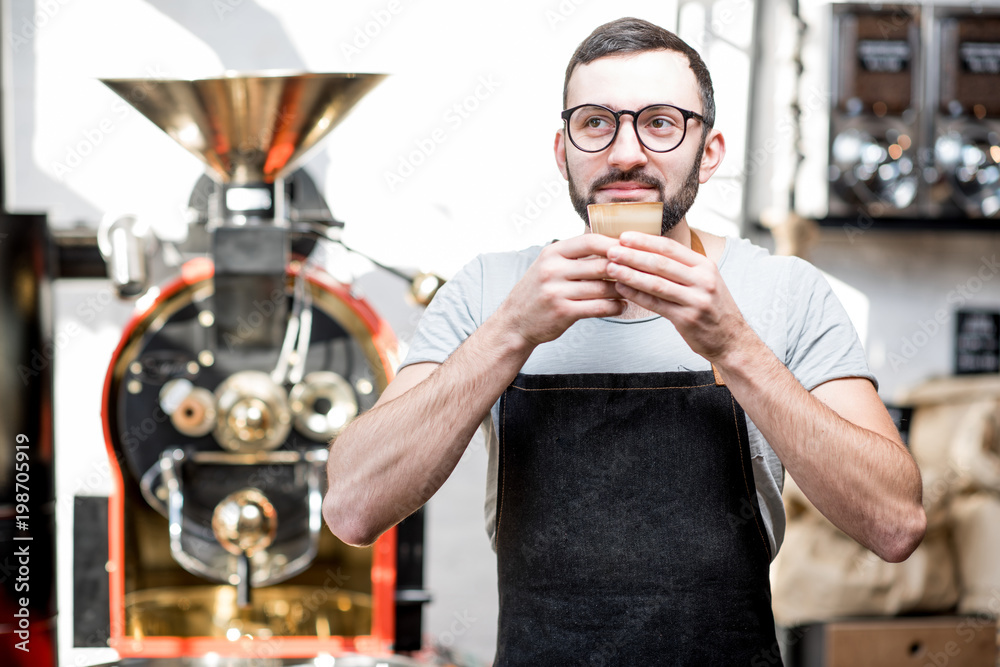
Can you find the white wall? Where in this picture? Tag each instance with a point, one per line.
(914, 282)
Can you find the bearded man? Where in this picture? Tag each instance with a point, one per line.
(641, 398)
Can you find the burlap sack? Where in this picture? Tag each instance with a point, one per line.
(821, 574)
(976, 530)
(975, 449)
(955, 435)
(955, 439)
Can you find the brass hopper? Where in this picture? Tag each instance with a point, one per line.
(249, 128)
(216, 541)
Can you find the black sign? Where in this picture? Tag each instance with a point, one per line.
(980, 57)
(884, 55)
(977, 342)
(901, 415)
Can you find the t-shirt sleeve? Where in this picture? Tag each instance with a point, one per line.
(450, 318)
(822, 342)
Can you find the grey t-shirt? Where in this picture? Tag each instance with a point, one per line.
(784, 299)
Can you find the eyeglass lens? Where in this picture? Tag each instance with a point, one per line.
(660, 128)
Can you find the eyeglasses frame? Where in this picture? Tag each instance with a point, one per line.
(688, 115)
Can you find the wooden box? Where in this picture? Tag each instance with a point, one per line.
(930, 641)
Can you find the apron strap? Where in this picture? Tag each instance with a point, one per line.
(697, 246)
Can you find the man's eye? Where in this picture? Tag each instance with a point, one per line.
(662, 123)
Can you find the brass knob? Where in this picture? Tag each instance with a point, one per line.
(253, 413)
(323, 404)
(191, 408)
(424, 286)
(245, 522)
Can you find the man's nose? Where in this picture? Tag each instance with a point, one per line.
(626, 152)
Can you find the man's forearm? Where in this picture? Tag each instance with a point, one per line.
(393, 458)
(867, 484)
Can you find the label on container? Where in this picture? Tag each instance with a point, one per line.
(879, 55)
(980, 57)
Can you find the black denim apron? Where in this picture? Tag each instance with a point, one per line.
(627, 525)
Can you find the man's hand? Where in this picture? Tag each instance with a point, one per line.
(668, 278)
(838, 441)
(392, 458)
(568, 282)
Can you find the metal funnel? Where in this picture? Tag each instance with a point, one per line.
(249, 128)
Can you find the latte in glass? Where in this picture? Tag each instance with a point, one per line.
(616, 217)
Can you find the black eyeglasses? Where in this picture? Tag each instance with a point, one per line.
(661, 127)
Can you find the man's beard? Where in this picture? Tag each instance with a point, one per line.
(674, 209)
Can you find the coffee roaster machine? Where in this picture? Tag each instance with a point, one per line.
(239, 366)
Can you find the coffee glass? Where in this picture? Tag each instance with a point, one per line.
(613, 218)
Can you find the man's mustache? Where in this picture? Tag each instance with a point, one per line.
(637, 175)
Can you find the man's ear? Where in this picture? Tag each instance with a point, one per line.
(712, 154)
(560, 151)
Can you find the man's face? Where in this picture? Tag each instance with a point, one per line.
(626, 170)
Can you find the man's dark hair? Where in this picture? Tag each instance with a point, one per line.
(631, 35)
